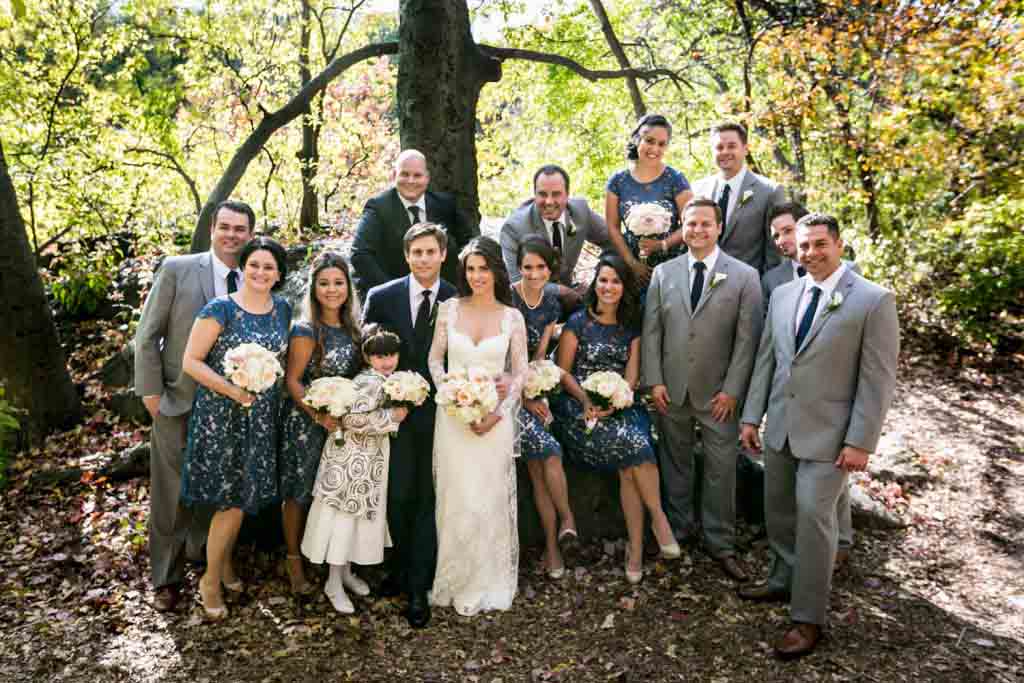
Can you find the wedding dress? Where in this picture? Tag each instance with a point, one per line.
(475, 476)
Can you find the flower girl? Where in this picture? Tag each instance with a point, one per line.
(348, 520)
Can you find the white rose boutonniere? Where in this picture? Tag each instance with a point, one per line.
(835, 302)
(718, 279)
(570, 228)
(746, 197)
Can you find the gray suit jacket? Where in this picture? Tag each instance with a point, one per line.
(783, 273)
(835, 390)
(587, 227)
(708, 350)
(747, 232)
(182, 286)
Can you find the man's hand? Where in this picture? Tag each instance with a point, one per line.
(659, 394)
(152, 404)
(723, 407)
(750, 439)
(853, 459)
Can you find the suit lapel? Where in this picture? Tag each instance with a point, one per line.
(685, 279)
(843, 288)
(730, 224)
(405, 314)
(206, 276)
(400, 217)
(721, 266)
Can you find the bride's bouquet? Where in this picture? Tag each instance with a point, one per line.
(406, 389)
(648, 220)
(252, 367)
(468, 395)
(542, 379)
(607, 389)
(332, 395)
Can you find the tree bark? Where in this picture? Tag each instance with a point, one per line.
(31, 357)
(441, 72)
(639, 107)
(309, 154)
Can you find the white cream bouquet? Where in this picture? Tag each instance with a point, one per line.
(406, 389)
(542, 378)
(607, 389)
(468, 395)
(648, 220)
(332, 395)
(252, 367)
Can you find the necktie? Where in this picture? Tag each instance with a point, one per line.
(723, 204)
(801, 271)
(556, 236)
(698, 284)
(415, 210)
(232, 281)
(808, 317)
(421, 329)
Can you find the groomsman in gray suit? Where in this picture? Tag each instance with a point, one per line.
(565, 223)
(744, 197)
(783, 220)
(702, 320)
(182, 286)
(825, 374)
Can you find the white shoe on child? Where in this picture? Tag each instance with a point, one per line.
(339, 600)
(353, 582)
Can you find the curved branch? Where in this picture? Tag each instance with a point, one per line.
(503, 53)
(175, 166)
(639, 108)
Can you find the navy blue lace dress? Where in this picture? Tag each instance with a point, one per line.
(620, 440)
(231, 456)
(302, 440)
(535, 440)
(662, 190)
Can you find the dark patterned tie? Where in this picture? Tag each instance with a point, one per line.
(808, 318)
(421, 329)
(698, 284)
(556, 236)
(232, 281)
(723, 204)
(415, 210)
(801, 271)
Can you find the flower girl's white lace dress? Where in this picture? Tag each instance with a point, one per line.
(475, 476)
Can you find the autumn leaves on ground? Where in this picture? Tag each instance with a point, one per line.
(941, 600)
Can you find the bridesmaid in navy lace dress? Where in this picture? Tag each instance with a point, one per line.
(323, 344)
(542, 304)
(646, 179)
(231, 459)
(604, 336)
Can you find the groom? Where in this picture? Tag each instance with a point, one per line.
(408, 306)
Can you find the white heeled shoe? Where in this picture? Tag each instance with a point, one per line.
(339, 600)
(354, 583)
(633, 577)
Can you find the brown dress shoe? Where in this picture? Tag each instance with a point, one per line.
(763, 592)
(166, 598)
(842, 560)
(799, 640)
(733, 568)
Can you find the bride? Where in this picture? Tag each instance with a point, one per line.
(474, 467)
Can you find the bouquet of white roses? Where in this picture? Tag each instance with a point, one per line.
(468, 395)
(648, 219)
(333, 395)
(252, 367)
(406, 389)
(542, 379)
(607, 390)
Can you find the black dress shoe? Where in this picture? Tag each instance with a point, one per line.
(763, 592)
(390, 587)
(418, 612)
(166, 598)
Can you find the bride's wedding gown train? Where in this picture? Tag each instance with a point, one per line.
(475, 476)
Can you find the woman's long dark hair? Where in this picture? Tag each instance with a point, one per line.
(491, 253)
(652, 120)
(311, 307)
(628, 314)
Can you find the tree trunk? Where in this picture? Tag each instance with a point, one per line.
(441, 72)
(309, 156)
(31, 357)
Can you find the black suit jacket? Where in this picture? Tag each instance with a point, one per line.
(377, 252)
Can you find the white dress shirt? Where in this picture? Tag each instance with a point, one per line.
(734, 183)
(416, 295)
(220, 275)
(709, 262)
(796, 268)
(827, 287)
(549, 225)
(421, 203)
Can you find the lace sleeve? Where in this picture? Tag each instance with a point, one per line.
(517, 362)
(439, 347)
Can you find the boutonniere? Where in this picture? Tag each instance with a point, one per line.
(746, 197)
(433, 313)
(835, 302)
(570, 228)
(717, 280)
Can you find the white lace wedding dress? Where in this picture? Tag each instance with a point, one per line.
(475, 476)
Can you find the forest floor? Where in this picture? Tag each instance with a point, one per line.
(941, 600)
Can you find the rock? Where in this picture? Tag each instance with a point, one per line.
(594, 498)
(895, 460)
(119, 370)
(872, 514)
(128, 406)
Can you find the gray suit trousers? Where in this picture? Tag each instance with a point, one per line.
(801, 511)
(675, 460)
(173, 528)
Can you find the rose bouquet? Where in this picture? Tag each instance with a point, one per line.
(406, 389)
(332, 395)
(468, 395)
(648, 220)
(607, 390)
(542, 379)
(252, 367)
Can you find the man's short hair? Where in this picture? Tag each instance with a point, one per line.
(704, 201)
(435, 230)
(825, 219)
(733, 126)
(551, 169)
(237, 207)
(794, 209)
(412, 154)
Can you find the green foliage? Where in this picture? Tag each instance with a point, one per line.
(83, 278)
(8, 428)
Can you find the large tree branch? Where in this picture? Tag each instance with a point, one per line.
(503, 53)
(639, 108)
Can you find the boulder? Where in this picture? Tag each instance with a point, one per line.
(869, 513)
(895, 460)
(126, 405)
(119, 370)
